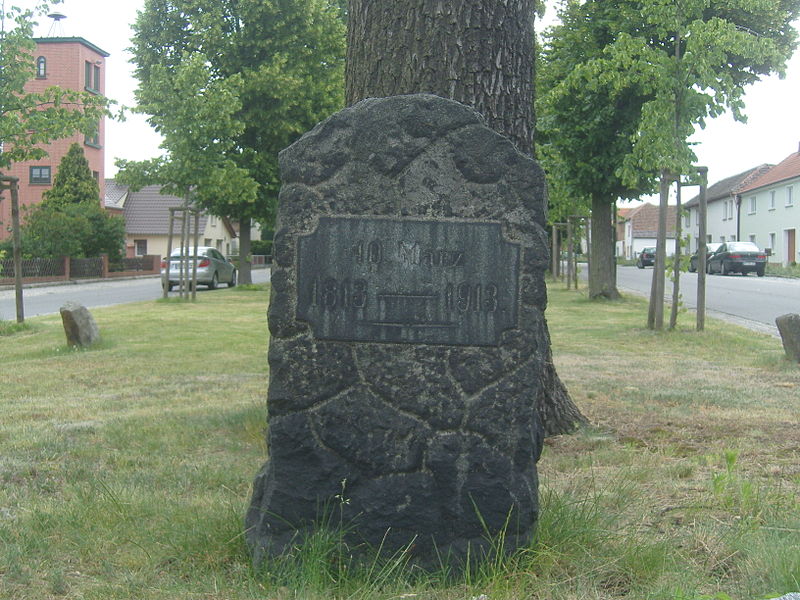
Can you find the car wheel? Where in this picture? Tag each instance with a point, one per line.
(170, 285)
(212, 285)
(232, 282)
(708, 268)
(760, 272)
(722, 269)
(692, 267)
(639, 264)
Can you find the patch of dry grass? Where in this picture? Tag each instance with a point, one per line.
(125, 470)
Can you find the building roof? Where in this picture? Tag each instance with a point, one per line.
(644, 221)
(726, 188)
(788, 168)
(67, 40)
(147, 211)
(116, 195)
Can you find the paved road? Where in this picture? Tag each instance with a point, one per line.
(750, 301)
(48, 299)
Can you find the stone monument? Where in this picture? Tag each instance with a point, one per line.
(407, 334)
(789, 330)
(79, 325)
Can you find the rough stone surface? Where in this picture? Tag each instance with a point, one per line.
(789, 328)
(408, 434)
(79, 325)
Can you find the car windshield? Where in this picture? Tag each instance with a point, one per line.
(650, 250)
(742, 247)
(179, 254)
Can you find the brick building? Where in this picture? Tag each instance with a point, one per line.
(70, 63)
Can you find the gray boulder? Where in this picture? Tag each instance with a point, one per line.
(789, 328)
(79, 325)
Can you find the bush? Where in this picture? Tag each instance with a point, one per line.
(261, 247)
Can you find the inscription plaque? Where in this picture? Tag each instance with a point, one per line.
(407, 281)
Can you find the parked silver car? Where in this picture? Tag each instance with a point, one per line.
(212, 267)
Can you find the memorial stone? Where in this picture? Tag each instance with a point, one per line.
(789, 330)
(79, 325)
(407, 334)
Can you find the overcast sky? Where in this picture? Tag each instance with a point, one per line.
(725, 146)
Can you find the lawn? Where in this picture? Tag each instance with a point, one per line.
(126, 469)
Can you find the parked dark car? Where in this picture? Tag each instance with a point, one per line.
(647, 258)
(711, 247)
(738, 257)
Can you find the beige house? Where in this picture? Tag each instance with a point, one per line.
(147, 218)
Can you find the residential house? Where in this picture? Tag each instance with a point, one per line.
(641, 229)
(622, 215)
(770, 210)
(147, 221)
(722, 212)
(70, 63)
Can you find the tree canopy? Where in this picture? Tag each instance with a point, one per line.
(74, 182)
(29, 120)
(70, 220)
(624, 84)
(230, 83)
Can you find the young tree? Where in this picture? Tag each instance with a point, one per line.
(230, 83)
(29, 120)
(74, 182)
(478, 53)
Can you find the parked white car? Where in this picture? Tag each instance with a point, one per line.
(212, 267)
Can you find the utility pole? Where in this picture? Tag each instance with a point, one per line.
(12, 184)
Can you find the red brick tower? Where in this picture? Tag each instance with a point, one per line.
(70, 63)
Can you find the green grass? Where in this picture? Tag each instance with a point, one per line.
(125, 469)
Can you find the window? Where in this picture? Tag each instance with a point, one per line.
(91, 76)
(41, 67)
(732, 238)
(725, 210)
(772, 242)
(789, 199)
(40, 175)
(772, 200)
(708, 239)
(752, 205)
(213, 221)
(141, 247)
(752, 237)
(96, 175)
(206, 241)
(93, 139)
(722, 239)
(687, 219)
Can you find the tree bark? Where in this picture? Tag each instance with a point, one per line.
(245, 266)
(603, 266)
(479, 53)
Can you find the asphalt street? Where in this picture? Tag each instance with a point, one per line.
(44, 300)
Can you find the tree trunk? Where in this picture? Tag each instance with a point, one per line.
(475, 52)
(245, 272)
(603, 266)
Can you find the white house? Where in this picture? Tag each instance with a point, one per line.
(770, 211)
(641, 229)
(722, 213)
(146, 214)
